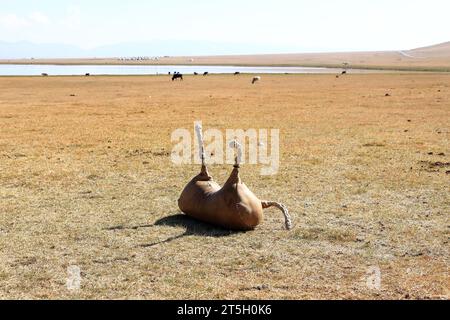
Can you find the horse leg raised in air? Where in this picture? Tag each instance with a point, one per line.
(232, 206)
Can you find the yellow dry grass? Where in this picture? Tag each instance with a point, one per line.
(86, 179)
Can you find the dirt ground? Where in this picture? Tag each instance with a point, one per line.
(86, 180)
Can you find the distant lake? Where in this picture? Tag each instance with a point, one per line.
(69, 70)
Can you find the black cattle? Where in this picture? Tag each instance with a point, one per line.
(195, 74)
(44, 74)
(87, 74)
(205, 74)
(344, 72)
(177, 76)
(237, 73)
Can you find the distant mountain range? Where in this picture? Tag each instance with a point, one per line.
(26, 50)
(437, 50)
(431, 58)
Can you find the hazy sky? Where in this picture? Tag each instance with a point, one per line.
(321, 25)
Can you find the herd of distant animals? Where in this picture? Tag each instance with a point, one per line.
(178, 76)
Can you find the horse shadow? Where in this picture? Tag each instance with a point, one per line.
(192, 227)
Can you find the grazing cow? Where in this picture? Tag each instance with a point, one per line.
(205, 74)
(87, 74)
(195, 74)
(44, 74)
(177, 76)
(344, 72)
(237, 73)
(256, 79)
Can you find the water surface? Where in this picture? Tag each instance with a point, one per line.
(70, 70)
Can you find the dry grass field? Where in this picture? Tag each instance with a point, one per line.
(86, 179)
